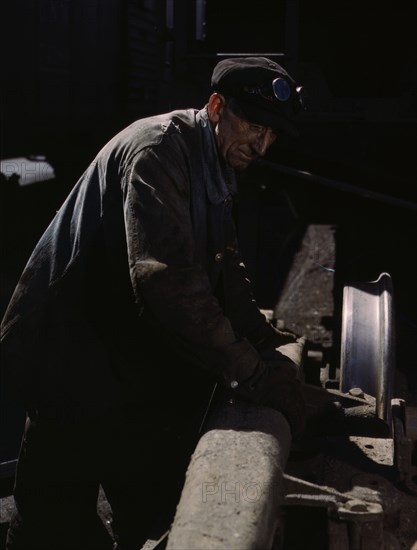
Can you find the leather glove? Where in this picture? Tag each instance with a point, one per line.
(295, 351)
(277, 386)
(271, 338)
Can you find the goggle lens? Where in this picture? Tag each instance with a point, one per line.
(281, 88)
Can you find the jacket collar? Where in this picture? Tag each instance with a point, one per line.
(220, 179)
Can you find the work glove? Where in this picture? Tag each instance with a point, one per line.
(277, 386)
(268, 338)
(295, 351)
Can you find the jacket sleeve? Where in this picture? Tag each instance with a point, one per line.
(164, 276)
(241, 306)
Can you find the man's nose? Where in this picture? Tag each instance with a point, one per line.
(264, 141)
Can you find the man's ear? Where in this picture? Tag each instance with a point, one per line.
(215, 107)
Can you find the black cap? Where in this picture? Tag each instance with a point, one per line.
(263, 90)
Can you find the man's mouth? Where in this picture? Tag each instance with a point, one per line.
(247, 157)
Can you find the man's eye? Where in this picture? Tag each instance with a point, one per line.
(256, 128)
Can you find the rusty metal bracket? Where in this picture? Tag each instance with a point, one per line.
(403, 446)
(348, 513)
(359, 505)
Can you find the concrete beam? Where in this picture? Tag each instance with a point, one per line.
(233, 488)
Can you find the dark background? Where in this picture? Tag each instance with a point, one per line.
(74, 72)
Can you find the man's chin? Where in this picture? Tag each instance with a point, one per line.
(240, 164)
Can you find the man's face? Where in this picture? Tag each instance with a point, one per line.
(239, 142)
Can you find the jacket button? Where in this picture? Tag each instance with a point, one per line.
(218, 257)
(234, 384)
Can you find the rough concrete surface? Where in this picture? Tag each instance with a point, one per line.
(234, 482)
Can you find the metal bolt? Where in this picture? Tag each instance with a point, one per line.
(356, 506)
(356, 392)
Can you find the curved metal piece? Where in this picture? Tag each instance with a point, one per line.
(368, 341)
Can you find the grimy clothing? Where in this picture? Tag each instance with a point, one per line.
(136, 288)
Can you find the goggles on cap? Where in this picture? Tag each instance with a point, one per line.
(278, 89)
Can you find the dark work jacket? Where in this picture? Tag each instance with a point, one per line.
(136, 292)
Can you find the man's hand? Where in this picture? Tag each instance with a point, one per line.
(281, 390)
(274, 338)
(279, 387)
(296, 352)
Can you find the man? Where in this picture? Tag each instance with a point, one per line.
(133, 303)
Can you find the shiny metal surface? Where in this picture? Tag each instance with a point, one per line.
(368, 341)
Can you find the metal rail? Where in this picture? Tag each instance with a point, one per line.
(367, 341)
